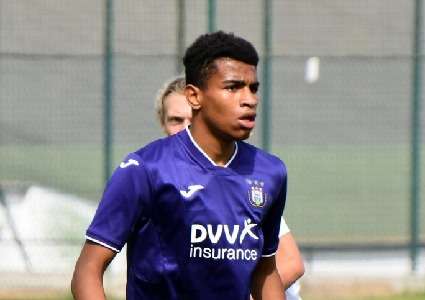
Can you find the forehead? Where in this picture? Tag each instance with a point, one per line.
(231, 69)
(176, 103)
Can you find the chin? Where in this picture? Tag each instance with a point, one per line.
(242, 135)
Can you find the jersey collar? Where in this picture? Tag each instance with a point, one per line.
(200, 154)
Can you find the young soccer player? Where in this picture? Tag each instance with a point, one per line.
(199, 210)
(174, 114)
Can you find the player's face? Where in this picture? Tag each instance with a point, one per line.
(229, 100)
(177, 113)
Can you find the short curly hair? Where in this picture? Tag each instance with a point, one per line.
(200, 56)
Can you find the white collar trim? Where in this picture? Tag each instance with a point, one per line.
(206, 155)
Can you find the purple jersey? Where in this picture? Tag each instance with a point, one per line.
(193, 230)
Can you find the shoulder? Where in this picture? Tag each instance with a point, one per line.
(262, 159)
(142, 160)
(154, 153)
(155, 148)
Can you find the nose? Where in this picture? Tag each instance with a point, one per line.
(249, 98)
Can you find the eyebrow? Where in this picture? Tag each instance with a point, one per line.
(175, 118)
(240, 82)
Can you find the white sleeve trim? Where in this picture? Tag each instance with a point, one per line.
(269, 255)
(284, 229)
(102, 243)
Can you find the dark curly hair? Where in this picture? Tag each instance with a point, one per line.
(200, 56)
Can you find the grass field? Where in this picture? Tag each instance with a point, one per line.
(343, 193)
(337, 193)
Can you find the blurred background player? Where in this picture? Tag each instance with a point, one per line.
(289, 262)
(174, 114)
(172, 109)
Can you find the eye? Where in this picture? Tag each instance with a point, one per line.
(232, 88)
(175, 120)
(254, 88)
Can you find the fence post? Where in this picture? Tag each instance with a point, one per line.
(265, 84)
(212, 10)
(415, 136)
(180, 34)
(107, 89)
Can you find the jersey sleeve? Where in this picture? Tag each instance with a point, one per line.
(126, 195)
(284, 229)
(272, 222)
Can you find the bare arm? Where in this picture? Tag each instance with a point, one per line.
(87, 281)
(289, 261)
(266, 282)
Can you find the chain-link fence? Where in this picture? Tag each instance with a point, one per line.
(344, 129)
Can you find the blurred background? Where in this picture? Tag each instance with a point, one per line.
(341, 104)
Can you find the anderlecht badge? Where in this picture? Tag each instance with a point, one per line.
(256, 195)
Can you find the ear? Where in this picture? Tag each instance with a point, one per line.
(193, 96)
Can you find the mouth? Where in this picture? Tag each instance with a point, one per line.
(248, 120)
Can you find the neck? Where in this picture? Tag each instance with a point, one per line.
(218, 149)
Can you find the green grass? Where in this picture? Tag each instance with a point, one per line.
(348, 193)
(343, 193)
(74, 169)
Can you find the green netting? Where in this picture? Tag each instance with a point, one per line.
(344, 137)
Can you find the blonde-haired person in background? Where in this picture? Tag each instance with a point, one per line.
(174, 114)
(172, 109)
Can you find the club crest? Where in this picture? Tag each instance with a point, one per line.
(256, 195)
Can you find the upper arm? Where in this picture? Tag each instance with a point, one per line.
(94, 257)
(87, 280)
(289, 261)
(266, 283)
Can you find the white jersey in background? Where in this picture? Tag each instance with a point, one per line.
(293, 292)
